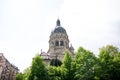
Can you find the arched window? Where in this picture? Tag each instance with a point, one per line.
(61, 43)
(55, 62)
(57, 43)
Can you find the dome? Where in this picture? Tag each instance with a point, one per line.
(59, 30)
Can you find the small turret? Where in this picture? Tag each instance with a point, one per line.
(71, 48)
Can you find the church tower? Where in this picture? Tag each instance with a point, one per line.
(59, 43)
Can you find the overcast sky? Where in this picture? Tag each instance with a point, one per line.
(25, 26)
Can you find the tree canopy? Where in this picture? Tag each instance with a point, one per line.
(38, 70)
(83, 66)
(109, 63)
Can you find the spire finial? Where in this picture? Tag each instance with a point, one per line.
(58, 22)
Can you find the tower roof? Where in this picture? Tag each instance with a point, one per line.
(58, 28)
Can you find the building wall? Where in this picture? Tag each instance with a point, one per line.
(7, 70)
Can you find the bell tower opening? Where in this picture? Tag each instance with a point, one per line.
(61, 43)
(56, 43)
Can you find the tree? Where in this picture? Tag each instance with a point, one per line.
(115, 73)
(26, 73)
(109, 63)
(57, 73)
(67, 61)
(19, 76)
(85, 62)
(38, 70)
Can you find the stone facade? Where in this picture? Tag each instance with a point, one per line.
(58, 44)
(7, 70)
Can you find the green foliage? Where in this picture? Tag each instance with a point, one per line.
(67, 60)
(108, 51)
(26, 74)
(38, 69)
(109, 63)
(115, 74)
(19, 76)
(67, 63)
(84, 66)
(57, 73)
(55, 62)
(85, 62)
